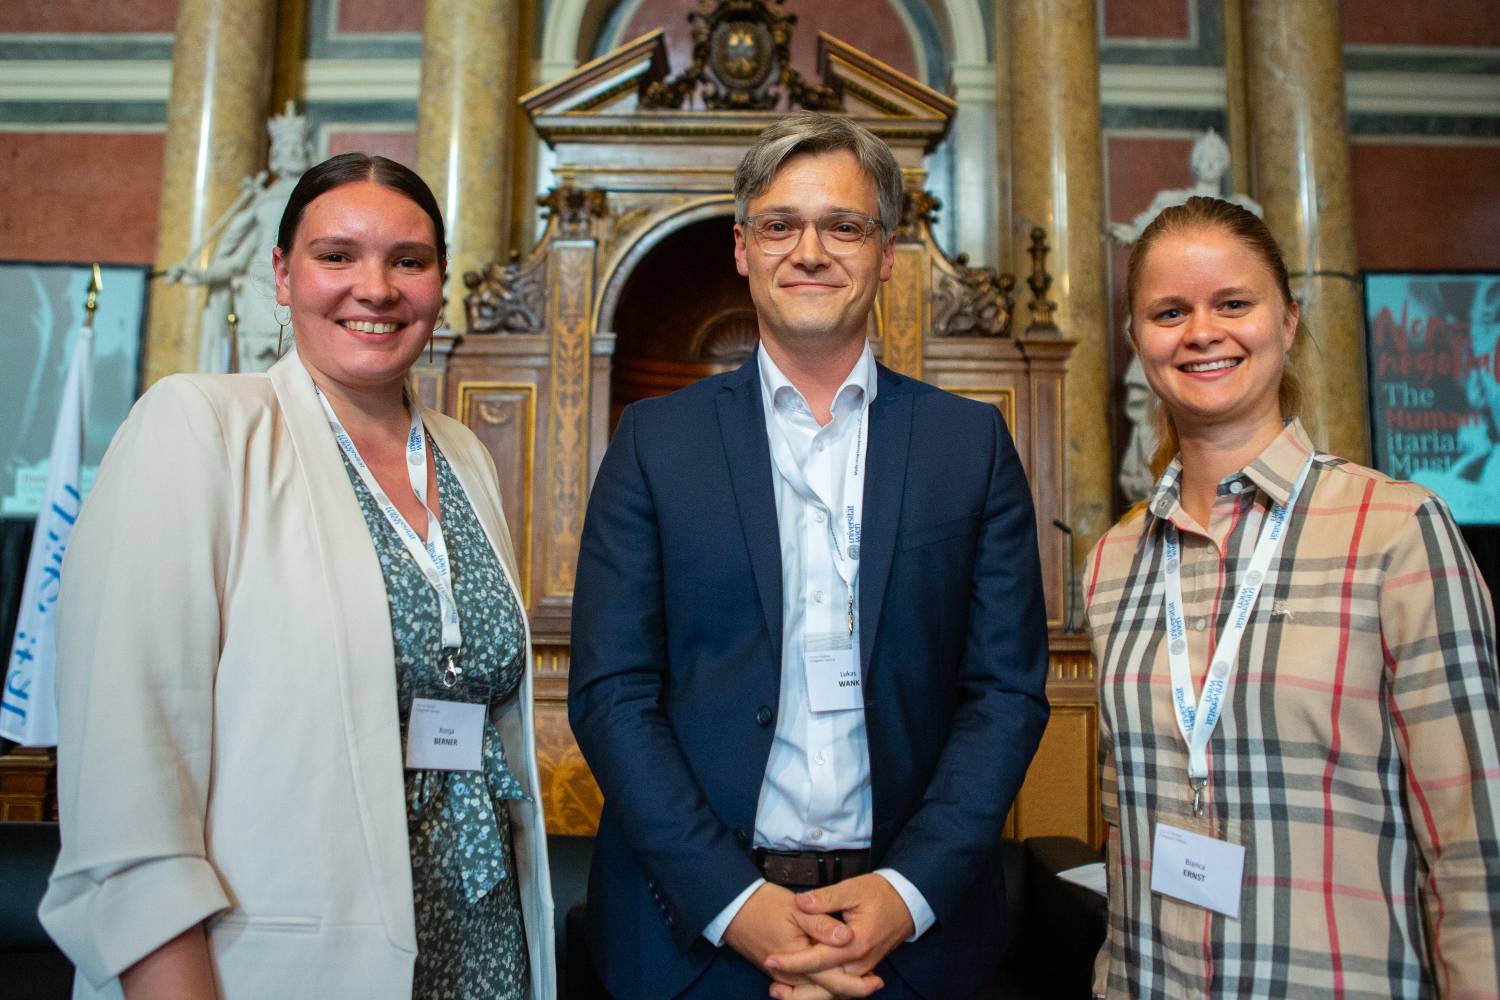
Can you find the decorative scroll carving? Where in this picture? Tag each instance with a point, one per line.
(966, 301)
(507, 298)
(574, 210)
(741, 54)
(972, 302)
(1041, 324)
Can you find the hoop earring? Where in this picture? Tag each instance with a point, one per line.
(441, 324)
(281, 324)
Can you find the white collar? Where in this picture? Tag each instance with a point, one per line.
(774, 384)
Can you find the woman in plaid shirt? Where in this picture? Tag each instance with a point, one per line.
(1325, 818)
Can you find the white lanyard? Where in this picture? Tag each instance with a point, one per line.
(432, 557)
(844, 526)
(1197, 724)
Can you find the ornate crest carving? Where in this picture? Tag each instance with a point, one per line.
(741, 55)
(574, 210)
(508, 298)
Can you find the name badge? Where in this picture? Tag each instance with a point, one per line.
(444, 735)
(1204, 871)
(833, 681)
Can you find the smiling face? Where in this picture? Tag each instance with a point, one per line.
(809, 297)
(1213, 331)
(364, 283)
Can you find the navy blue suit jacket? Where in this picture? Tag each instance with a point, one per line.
(676, 667)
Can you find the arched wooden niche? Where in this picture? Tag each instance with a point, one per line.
(678, 308)
(631, 292)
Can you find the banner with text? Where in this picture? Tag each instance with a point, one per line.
(1435, 385)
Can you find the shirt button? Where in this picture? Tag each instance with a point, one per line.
(817, 597)
(820, 516)
(1199, 624)
(1236, 487)
(820, 446)
(819, 759)
(763, 715)
(815, 834)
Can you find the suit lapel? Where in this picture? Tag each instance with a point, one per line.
(339, 541)
(885, 484)
(742, 422)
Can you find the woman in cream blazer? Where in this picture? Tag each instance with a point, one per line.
(230, 747)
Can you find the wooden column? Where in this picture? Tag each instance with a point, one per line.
(1057, 183)
(1294, 70)
(216, 136)
(465, 125)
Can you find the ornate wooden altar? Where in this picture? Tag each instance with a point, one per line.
(632, 292)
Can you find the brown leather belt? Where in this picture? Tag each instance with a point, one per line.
(810, 868)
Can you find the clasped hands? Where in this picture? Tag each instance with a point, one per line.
(795, 939)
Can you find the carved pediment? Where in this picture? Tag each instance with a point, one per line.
(739, 80)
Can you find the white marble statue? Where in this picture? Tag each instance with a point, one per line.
(238, 275)
(1210, 162)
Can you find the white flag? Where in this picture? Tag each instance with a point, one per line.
(28, 706)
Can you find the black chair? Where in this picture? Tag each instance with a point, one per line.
(31, 966)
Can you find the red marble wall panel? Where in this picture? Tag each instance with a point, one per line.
(380, 16)
(398, 146)
(77, 196)
(1138, 167)
(1146, 19)
(1421, 22)
(878, 30)
(88, 16)
(1427, 206)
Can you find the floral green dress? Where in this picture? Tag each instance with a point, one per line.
(470, 938)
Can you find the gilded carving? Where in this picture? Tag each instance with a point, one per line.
(741, 54)
(904, 315)
(918, 213)
(572, 284)
(573, 210)
(571, 799)
(1040, 282)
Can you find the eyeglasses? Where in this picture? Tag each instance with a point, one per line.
(840, 233)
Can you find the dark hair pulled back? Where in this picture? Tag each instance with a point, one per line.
(352, 168)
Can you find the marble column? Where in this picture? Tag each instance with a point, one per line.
(1294, 70)
(465, 126)
(216, 136)
(1057, 183)
(1236, 111)
(1001, 178)
(523, 193)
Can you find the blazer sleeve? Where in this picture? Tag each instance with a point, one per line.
(138, 644)
(615, 686)
(1002, 704)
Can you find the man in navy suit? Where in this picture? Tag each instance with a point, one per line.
(809, 642)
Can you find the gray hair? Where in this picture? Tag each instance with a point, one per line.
(816, 132)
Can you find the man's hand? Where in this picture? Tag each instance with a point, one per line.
(872, 910)
(771, 922)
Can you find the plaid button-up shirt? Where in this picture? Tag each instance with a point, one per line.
(1356, 759)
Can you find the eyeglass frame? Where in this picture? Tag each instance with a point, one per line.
(872, 225)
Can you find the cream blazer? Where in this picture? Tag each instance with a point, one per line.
(229, 747)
